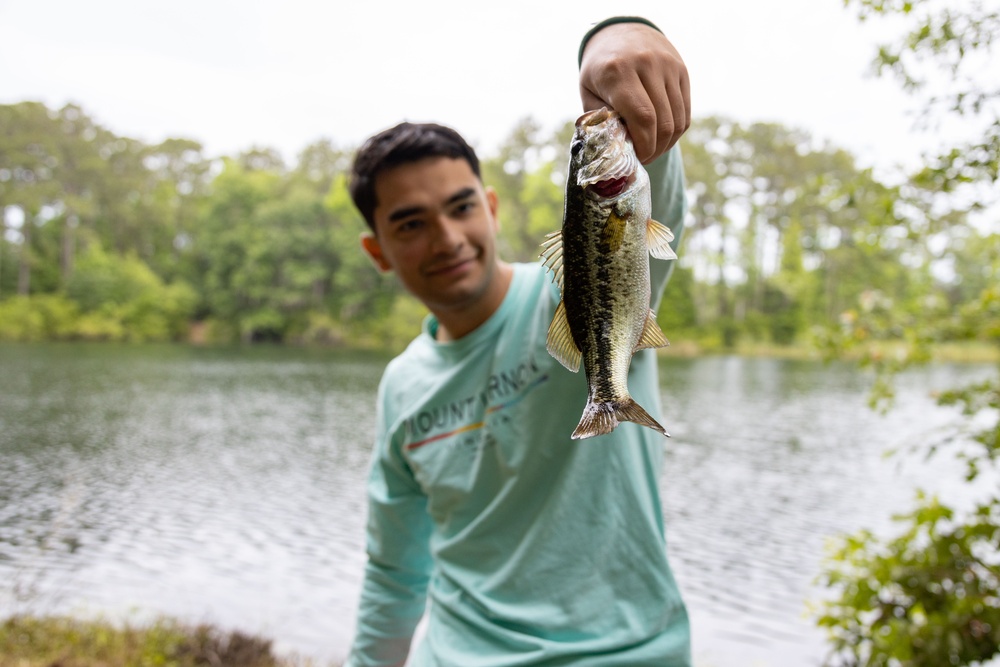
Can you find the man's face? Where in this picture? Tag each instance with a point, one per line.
(435, 226)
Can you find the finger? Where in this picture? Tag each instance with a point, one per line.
(626, 95)
(680, 108)
(640, 114)
(590, 100)
(665, 123)
(686, 93)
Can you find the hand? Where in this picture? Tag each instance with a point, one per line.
(635, 70)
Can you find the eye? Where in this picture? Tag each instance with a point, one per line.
(463, 208)
(409, 225)
(576, 147)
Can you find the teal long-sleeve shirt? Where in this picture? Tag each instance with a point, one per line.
(531, 548)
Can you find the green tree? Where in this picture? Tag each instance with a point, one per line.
(930, 595)
(28, 158)
(319, 164)
(677, 314)
(753, 186)
(708, 237)
(178, 180)
(225, 230)
(121, 298)
(362, 298)
(529, 176)
(264, 250)
(74, 182)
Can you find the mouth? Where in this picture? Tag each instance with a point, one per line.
(610, 188)
(450, 268)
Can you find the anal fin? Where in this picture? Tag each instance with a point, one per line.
(652, 335)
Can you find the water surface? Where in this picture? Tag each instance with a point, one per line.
(228, 486)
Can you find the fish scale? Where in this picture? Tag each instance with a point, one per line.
(600, 260)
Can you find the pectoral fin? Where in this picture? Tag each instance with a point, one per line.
(614, 232)
(560, 343)
(652, 335)
(658, 238)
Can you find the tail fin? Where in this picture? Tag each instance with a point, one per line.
(602, 418)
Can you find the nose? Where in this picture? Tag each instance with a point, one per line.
(446, 237)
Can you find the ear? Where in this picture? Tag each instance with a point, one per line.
(374, 250)
(494, 203)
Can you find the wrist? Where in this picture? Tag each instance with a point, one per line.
(604, 24)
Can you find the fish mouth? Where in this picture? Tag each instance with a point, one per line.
(611, 165)
(609, 175)
(610, 188)
(594, 117)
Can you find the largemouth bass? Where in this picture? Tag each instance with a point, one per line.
(600, 260)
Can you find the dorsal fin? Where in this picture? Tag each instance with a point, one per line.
(552, 252)
(658, 238)
(559, 341)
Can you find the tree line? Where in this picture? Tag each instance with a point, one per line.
(110, 238)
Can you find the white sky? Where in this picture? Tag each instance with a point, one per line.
(283, 73)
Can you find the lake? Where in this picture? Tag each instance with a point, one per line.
(227, 486)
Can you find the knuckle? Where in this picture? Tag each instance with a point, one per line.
(645, 115)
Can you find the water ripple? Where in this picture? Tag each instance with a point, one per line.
(228, 486)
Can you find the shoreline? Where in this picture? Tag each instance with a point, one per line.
(27, 640)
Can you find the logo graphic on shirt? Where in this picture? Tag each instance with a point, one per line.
(503, 390)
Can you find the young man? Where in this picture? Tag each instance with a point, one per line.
(533, 549)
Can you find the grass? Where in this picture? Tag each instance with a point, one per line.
(55, 641)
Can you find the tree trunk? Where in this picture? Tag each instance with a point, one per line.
(24, 261)
(3, 236)
(68, 247)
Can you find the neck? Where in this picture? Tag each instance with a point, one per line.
(454, 324)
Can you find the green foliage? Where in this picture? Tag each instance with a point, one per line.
(926, 598)
(763, 190)
(975, 400)
(404, 322)
(362, 297)
(37, 318)
(930, 595)
(678, 313)
(528, 174)
(122, 299)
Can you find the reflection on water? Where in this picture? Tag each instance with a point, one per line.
(228, 486)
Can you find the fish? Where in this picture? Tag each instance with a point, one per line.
(600, 261)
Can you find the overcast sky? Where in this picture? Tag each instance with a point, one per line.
(283, 73)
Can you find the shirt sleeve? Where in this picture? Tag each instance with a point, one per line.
(394, 590)
(669, 206)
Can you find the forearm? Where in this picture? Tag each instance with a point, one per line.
(392, 603)
(394, 590)
(669, 206)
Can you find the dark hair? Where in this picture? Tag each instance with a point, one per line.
(402, 144)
